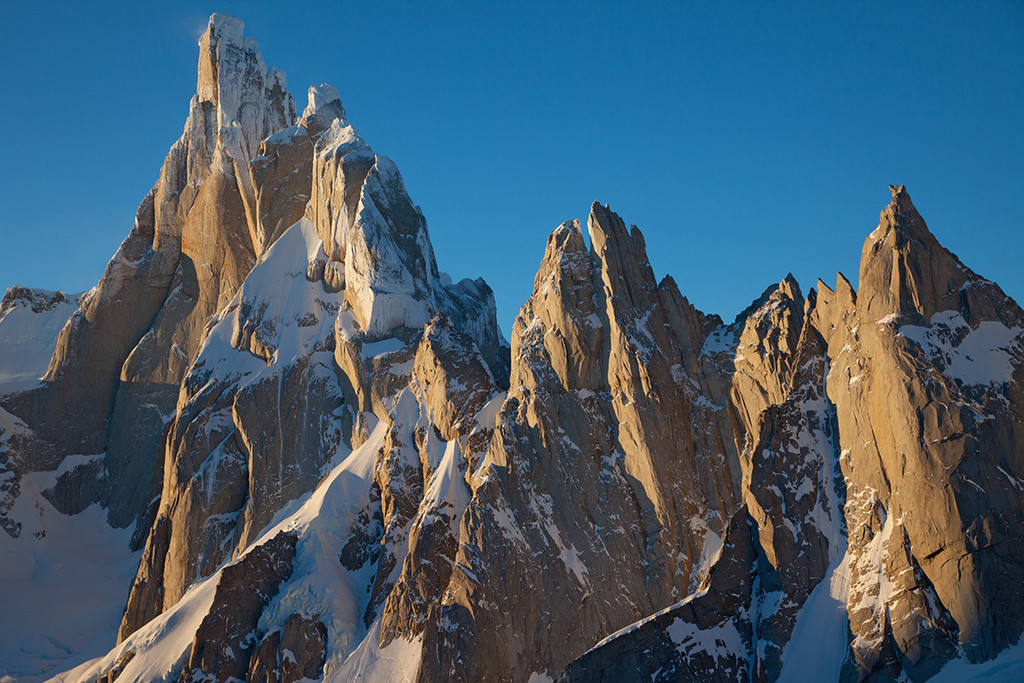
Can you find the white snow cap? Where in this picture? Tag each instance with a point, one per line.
(226, 27)
(319, 97)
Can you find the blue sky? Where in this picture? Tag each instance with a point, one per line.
(747, 140)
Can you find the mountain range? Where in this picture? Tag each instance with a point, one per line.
(276, 443)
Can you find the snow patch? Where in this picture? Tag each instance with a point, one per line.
(980, 356)
(397, 663)
(64, 581)
(28, 337)
(509, 528)
(722, 641)
(817, 649)
(319, 584)
(382, 348)
(635, 625)
(47, 480)
(711, 550)
(487, 417)
(1007, 666)
(447, 491)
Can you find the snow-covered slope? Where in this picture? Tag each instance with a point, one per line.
(63, 582)
(30, 320)
(322, 520)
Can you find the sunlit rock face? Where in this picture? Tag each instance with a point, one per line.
(886, 480)
(311, 455)
(929, 359)
(113, 381)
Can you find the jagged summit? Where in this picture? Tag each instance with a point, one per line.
(324, 102)
(288, 447)
(902, 220)
(904, 271)
(163, 382)
(252, 101)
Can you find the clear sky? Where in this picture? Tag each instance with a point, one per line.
(747, 140)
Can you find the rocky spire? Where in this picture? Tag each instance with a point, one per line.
(598, 385)
(249, 100)
(114, 376)
(350, 267)
(899, 352)
(904, 270)
(282, 172)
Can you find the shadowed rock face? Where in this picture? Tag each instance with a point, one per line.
(668, 645)
(295, 652)
(224, 641)
(634, 488)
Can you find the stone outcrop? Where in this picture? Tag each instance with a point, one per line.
(294, 652)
